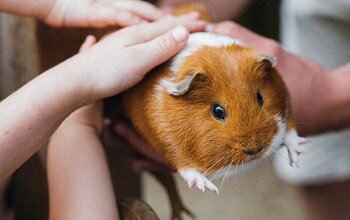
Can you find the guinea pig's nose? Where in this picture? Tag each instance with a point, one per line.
(251, 152)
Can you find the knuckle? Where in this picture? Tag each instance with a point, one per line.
(164, 44)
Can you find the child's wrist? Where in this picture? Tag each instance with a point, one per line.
(68, 78)
(79, 68)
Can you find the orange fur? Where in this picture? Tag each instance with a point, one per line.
(182, 128)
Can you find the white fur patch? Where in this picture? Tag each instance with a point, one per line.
(279, 137)
(196, 41)
(210, 39)
(163, 85)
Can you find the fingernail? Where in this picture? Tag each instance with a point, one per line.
(180, 34)
(88, 38)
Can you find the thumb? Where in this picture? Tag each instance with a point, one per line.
(163, 47)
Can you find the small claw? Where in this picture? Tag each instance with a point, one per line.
(200, 185)
(303, 141)
(195, 178)
(212, 187)
(191, 183)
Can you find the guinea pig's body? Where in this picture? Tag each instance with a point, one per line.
(217, 104)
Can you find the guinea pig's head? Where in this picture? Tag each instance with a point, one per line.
(226, 103)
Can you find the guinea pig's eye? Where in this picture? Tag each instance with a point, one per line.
(260, 99)
(218, 111)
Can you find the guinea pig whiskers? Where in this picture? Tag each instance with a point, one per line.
(241, 170)
(223, 179)
(237, 166)
(205, 172)
(216, 174)
(213, 176)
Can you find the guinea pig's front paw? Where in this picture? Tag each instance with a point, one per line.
(293, 143)
(194, 178)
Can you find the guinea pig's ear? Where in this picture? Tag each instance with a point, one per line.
(269, 60)
(267, 63)
(181, 87)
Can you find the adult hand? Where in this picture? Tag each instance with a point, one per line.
(100, 13)
(121, 134)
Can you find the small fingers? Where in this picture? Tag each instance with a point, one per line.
(146, 32)
(89, 41)
(191, 21)
(160, 48)
(104, 15)
(143, 9)
(125, 18)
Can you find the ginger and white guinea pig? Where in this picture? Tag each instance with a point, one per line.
(216, 105)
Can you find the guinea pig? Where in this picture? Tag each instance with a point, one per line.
(214, 106)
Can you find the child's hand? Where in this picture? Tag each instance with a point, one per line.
(121, 59)
(90, 116)
(100, 13)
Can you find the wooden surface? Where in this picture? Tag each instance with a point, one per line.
(18, 55)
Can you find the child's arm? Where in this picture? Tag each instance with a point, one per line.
(30, 115)
(79, 181)
(84, 13)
